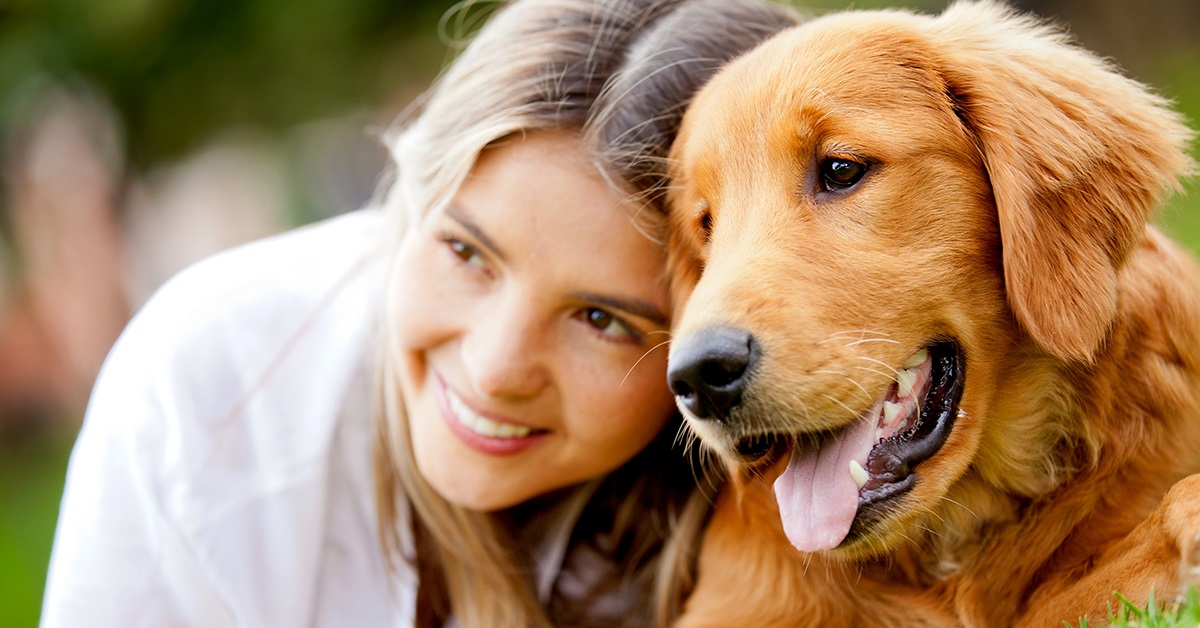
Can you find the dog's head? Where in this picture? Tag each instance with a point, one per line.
(881, 217)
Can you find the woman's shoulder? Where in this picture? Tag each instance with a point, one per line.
(249, 358)
(226, 447)
(301, 264)
(251, 296)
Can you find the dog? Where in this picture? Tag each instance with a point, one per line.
(953, 372)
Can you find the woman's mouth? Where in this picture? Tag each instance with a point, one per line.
(486, 434)
(481, 425)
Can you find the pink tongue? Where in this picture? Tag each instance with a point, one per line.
(817, 496)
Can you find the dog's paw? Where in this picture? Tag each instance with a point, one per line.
(1181, 518)
(1189, 563)
(1181, 508)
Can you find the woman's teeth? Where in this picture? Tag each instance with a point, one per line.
(481, 425)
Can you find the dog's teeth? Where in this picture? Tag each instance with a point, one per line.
(892, 412)
(917, 359)
(858, 473)
(904, 382)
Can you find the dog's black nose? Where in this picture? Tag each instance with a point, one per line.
(709, 373)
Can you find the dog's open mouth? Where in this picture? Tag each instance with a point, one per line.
(837, 486)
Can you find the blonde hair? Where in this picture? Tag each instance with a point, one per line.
(619, 72)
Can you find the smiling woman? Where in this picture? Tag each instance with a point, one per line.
(450, 411)
(522, 312)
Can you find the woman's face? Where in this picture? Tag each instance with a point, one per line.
(529, 314)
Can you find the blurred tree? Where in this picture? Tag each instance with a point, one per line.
(1139, 36)
(161, 82)
(178, 70)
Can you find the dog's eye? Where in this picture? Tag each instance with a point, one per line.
(705, 223)
(839, 173)
(704, 219)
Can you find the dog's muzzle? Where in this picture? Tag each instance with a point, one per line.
(709, 372)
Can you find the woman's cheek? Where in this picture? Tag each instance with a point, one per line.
(655, 396)
(421, 300)
(637, 403)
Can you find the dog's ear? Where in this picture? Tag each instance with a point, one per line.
(1078, 157)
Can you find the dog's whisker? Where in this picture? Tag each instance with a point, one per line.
(931, 511)
(687, 437)
(875, 371)
(908, 538)
(681, 435)
(930, 531)
(704, 474)
(863, 340)
(852, 338)
(862, 333)
(639, 360)
(714, 475)
(961, 505)
(885, 365)
(710, 472)
(840, 403)
(799, 404)
(841, 374)
(866, 392)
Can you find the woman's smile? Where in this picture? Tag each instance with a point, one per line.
(487, 434)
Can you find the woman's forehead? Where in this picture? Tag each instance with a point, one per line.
(539, 200)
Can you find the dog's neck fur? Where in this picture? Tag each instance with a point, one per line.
(1150, 428)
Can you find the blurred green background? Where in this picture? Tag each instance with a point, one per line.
(139, 135)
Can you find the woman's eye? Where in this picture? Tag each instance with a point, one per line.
(838, 173)
(464, 252)
(605, 323)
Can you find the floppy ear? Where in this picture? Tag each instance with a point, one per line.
(1078, 157)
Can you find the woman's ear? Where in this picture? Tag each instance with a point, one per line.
(1078, 157)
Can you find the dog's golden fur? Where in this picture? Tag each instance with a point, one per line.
(1010, 179)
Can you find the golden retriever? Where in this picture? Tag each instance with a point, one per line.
(954, 372)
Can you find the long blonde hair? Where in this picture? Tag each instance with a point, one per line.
(619, 72)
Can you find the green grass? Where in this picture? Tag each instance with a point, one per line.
(31, 481)
(1175, 614)
(1179, 79)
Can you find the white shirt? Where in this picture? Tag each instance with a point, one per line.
(223, 475)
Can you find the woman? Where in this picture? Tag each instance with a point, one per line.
(503, 333)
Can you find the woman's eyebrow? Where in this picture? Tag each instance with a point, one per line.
(636, 307)
(457, 214)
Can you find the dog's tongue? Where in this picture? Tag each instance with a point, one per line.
(817, 496)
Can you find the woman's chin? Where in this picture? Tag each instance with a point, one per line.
(471, 480)
(478, 494)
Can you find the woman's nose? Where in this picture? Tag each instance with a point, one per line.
(503, 350)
